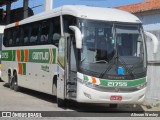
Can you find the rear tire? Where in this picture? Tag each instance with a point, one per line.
(61, 103)
(113, 105)
(15, 83)
(16, 87)
(9, 79)
(11, 84)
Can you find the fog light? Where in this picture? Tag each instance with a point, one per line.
(141, 86)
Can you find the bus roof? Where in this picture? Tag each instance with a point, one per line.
(2, 28)
(85, 12)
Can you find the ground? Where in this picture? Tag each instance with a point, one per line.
(29, 100)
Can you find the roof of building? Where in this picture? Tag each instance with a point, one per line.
(140, 7)
(4, 2)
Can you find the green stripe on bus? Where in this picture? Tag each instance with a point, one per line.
(22, 55)
(24, 68)
(39, 55)
(54, 55)
(7, 55)
(35, 55)
(119, 83)
(122, 83)
(13, 55)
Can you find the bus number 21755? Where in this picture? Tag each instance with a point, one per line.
(117, 84)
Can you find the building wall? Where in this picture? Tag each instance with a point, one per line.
(151, 24)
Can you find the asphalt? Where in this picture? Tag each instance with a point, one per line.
(33, 101)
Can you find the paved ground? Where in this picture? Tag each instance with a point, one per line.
(29, 100)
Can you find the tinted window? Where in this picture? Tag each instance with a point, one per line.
(34, 33)
(5, 40)
(10, 37)
(37, 33)
(16, 34)
(26, 36)
(45, 28)
(56, 31)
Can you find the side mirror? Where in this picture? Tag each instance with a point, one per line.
(78, 36)
(154, 40)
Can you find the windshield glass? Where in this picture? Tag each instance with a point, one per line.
(98, 42)
(129, 41)
(107, 46)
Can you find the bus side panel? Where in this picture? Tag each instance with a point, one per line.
(38, 77)
(61, 84)
(33, 72)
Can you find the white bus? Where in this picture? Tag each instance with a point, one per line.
(1, 38)
(82, 53)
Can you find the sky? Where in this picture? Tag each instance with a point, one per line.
(56, 3)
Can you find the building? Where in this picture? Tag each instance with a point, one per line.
(149, 13)
(9, 16)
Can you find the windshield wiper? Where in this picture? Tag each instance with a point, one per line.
(130, 71)
(101, 61)
(83, 60)
(113, 62)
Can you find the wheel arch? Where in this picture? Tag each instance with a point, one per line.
(10, 71)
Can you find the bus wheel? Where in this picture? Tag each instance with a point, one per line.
(113, 105)
(11, 84)
(9, 78)
(15, 81)
(61, 103)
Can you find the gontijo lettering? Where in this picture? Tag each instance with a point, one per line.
(40, 56)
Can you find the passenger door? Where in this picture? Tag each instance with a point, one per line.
(61, 69)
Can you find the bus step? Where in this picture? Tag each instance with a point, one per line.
(71, 83)
(71, 90)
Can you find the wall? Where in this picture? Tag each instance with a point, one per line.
(151, 23)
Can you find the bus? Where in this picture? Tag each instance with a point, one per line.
(77, 52)
(1, 37)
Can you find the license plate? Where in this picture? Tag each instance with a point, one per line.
(118, 98)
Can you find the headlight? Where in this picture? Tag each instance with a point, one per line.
(141, 86)
(86, 83)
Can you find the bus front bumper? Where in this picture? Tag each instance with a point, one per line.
(89, 95)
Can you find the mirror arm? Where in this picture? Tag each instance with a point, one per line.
(78, 36)
(154, 40)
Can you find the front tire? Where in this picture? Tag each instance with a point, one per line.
(61, 103)
(11, 84)
(113, 105)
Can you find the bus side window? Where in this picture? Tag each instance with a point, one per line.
(56, 31)
(21, 34)
(44, 32)
(10, 37)
(67, 21)
(16, 35)
(34, 33)
(26, 30)
(5, 39)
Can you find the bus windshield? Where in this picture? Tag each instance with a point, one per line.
(109, 46)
